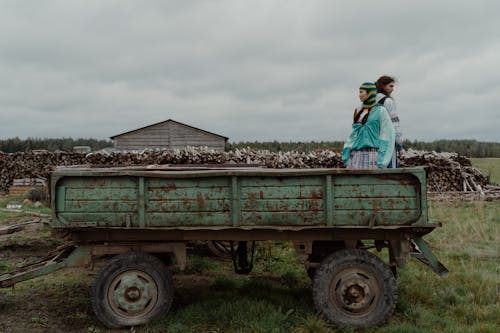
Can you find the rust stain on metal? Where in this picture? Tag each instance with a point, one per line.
(200, 201)
(315, 205)
(170, 186)
(186, 203)
(391, 203)
(252, 197)
(316, 195)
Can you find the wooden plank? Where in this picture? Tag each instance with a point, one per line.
(154, 137)
(329, 199)
(145, 131)
(284, 192)
(283, 205)
(141, 209)
(235, 201)
(99, 219)
(383, 217)
(213, 183)
(370, 191)
(386, 203)
(374, 179)
(99, 182)
(188, 193)
(282, 218)
(148, 141)
(280, 181)
(108, 193)
(189, 219)
(193, 141)
(179, 128)
(100, 206)
(188, 205)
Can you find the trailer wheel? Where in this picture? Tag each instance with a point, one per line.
(353, 287)
(221, 249)
(132, 289)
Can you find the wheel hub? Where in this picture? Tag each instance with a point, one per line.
(353, 292)
(132, 293)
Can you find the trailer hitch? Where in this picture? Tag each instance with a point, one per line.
(65, 256)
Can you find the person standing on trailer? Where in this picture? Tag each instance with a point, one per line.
(371, 142)
(385, 87)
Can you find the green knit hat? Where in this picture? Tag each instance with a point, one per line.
(371, 89)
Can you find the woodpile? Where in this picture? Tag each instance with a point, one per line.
(489, 193)
(320, 159)
(37, 164)
(446, 171)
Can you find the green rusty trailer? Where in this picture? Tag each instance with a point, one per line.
(141, 218)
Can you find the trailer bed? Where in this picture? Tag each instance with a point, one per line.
(247, 198)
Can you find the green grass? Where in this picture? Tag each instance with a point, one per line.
(276, 297)
(26, 209)
(490, 167)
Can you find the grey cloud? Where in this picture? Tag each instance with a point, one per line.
(260, 70)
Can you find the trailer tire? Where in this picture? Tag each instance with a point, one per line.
(353, 287)
(132, 289)
(221, 249)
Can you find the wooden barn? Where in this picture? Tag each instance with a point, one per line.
(168, 134)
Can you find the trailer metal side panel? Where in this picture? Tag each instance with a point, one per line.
(136, 198)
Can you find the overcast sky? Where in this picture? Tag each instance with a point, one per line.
(249, 70)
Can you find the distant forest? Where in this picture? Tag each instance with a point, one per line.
(470, 148)
(14, 145)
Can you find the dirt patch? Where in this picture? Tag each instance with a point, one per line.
(61, 301)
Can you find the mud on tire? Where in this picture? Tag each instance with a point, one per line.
(353, 287)
(132, 289)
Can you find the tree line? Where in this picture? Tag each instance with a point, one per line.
(16, 144)
(469, 148)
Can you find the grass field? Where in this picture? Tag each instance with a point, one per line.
(276, 296)
(490, 167)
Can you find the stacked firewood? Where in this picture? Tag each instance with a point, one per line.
(40, 164)
(446, 172)
(33, 165)
(319, 159)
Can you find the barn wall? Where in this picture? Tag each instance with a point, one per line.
(182, 136)
(168, 135)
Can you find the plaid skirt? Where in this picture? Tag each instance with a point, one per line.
(363, 159)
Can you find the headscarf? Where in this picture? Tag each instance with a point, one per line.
(371, 89)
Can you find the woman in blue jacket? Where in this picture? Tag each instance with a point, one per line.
(371, 142)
